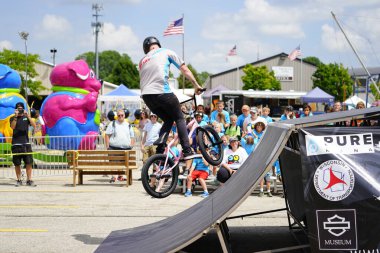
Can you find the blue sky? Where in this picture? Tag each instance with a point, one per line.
(259, 29)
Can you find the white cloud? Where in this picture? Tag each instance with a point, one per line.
(121, 39)
(258, 17)
(289, 30)
(105, 1)
(224, 27)
(5, 44)
(215, 60)
(334, 40)
(53, 26)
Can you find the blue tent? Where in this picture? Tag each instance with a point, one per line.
(317, 95)
(122, 90)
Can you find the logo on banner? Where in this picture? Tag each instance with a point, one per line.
(334, 180)
(339, 144)
(337, 229)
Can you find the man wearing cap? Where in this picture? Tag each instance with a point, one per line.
(21, 147)
(248, 121)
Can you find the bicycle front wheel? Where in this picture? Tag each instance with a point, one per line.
(210, 145)
(158, 179)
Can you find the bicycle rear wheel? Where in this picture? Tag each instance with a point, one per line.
(210, 145)
(159, 181)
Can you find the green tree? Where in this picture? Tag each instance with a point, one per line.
(334, 79)
(312, 60)
(16, 61)
(203, 77)
(374, 90)
(114, 67)
(125, 72)
(188, 84)
(259, 78)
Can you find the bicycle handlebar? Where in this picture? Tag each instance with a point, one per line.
(194, 99)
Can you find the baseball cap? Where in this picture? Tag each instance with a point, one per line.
(20, 104)
(254, 109)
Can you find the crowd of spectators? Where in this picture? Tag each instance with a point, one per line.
(240, 135)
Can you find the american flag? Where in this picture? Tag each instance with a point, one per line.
(175, 27)
(295, 53)
(232, 52)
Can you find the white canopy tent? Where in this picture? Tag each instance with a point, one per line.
(352, 101)
(120, 98)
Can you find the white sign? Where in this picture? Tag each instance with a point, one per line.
(339, 144)
(283, 73)
(334, 180)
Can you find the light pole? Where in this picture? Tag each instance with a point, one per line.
(24, 36)
(53, 51)
(97, 25)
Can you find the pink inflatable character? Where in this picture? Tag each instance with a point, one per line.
(71, 109)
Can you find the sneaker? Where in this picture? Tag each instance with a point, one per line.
(30, 183)
(205, 194)
(18, 183)
(261, 194)
(113, 179)
(186, 173)
(188, 194)
(270, 194)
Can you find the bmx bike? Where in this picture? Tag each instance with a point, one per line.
(159, 174)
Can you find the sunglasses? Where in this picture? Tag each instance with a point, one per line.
(153, 116)
(121, 115)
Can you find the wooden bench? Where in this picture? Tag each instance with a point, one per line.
(101, 162)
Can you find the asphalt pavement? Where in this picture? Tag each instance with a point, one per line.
(57, 217)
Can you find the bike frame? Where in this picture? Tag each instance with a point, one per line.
(193, 124)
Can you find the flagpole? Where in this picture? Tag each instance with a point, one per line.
(183, 51)
(301, 66)
(237, 72)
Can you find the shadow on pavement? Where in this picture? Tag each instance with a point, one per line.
(251, 239)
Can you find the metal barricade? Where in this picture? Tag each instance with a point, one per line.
(48, 160)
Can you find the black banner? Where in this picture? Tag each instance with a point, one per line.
(341, 180)
(233, 103)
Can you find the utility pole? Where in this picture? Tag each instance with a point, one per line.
(53, 51)
(24, 36)
(97, 25)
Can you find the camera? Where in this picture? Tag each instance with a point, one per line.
(20, 111)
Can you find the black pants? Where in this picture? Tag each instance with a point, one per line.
(167, 107)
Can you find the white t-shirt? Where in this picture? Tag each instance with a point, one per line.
(152, 132)
(154, 71)
(234, 159)
(124, 133)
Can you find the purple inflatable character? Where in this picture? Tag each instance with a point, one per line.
(71, 111)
